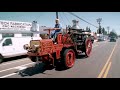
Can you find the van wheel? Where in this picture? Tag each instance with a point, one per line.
(1, 58)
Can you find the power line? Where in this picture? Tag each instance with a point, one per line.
(62, 18)
(82, 19)
(67, 18)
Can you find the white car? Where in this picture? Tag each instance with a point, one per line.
(13, 46)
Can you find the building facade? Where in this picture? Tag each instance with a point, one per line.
(18, 29)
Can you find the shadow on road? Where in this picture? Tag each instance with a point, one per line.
(82, 56)
(41, 68)
(61, 68)
(36, 69)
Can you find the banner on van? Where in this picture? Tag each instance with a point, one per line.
(15, 25)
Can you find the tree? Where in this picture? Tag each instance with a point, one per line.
(99, 30)
(103, 31)
(113, 33)
(89, 30)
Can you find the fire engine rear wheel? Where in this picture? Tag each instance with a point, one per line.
(88, 47)
(68, 58)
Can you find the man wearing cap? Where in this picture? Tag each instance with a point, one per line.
(57, 30)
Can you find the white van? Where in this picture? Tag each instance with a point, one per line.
(13, 46)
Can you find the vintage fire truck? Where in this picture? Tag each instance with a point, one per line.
(69, 45)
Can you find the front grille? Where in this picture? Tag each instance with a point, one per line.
(34, 42)
(35, 46)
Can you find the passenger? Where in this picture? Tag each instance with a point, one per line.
(57, 30)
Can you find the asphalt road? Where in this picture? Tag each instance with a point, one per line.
(104, 62)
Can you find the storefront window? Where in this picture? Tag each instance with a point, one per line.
(27, 34)
(7, 35)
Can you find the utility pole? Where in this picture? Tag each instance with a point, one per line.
(99, 22)
(56, 15)
(108, 29)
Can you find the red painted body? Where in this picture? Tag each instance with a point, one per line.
(48, 47)
(65, 49)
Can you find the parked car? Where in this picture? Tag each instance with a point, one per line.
(100, 39)
(13, 46)
(112, 39)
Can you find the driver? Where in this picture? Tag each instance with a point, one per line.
(57, 30)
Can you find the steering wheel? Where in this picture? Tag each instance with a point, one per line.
(49, 30)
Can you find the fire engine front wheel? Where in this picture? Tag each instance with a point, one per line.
(68, 58)
(33, 59)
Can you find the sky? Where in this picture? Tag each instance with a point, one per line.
(111, 19)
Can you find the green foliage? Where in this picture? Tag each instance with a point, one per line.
(104, 32)
(113, 34)
(99, 31)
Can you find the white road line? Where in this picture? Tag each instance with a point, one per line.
(8, 75)
(16, 67)
(20, 67)
(12, 62)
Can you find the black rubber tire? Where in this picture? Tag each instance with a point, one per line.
(33, 59)
(1, 58)
(64, 61)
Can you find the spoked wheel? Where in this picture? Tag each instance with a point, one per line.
(88, 47)
(68, 58)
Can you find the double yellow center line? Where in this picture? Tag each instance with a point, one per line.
(104, 71)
